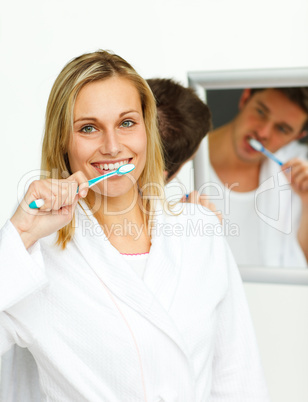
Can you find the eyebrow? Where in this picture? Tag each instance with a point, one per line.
(95, 119)
(286, 125)
(263, 106)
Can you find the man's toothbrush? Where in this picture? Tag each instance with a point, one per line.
(259, 147)
(120, 171)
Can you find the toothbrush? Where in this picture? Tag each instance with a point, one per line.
(120, 171)
(259, 147)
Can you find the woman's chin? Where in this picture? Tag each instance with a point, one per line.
(114, 191)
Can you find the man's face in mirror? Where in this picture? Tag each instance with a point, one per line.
(269, 117)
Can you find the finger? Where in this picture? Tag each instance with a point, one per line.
(194, 197)
(292, 162)
(291, 171)
(67, 210)
(204, 201)
(212, 207)
(82, 181)
(219, 216)
(301, 180)
(39, 189)
(63, 193)
(69, 187)
(185, 198)
(298, 175)
(209, 205)
(83, 190)
(304, 185)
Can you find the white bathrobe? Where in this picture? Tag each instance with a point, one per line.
(98, 332)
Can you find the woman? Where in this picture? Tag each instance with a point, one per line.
(115, 298)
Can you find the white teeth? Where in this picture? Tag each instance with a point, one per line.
(112, 166)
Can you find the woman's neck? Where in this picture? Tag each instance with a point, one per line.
(123, 221)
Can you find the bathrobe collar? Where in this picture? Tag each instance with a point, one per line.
(151, 297)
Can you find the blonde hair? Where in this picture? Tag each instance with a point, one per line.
(75, 75)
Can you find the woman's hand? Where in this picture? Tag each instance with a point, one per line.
(195, 198)
(60, 200)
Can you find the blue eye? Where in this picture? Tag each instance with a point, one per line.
(88, 129)
(127, 124)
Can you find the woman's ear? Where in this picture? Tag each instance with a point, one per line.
(244, 98)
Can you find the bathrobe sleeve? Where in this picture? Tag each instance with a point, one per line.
(237, 370)
(21, 273)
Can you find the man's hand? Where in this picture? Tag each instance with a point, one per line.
(296, 171)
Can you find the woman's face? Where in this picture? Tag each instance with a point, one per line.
(108, 131)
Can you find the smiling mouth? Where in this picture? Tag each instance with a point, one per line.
(111, 166)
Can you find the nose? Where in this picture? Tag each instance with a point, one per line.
(264, 131)
(110, 143)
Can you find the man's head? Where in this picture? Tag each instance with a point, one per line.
(275, 117)
(183, 121)
(298, 95)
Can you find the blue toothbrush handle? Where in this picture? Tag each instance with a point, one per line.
(100, 178)
(272, 156)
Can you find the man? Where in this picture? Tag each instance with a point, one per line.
(272, 219)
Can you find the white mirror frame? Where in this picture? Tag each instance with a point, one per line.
(200, 81)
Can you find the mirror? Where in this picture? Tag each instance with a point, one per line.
(222, 90)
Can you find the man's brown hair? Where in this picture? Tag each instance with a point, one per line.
(183, 121)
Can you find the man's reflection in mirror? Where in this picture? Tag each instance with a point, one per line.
(265, 202)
